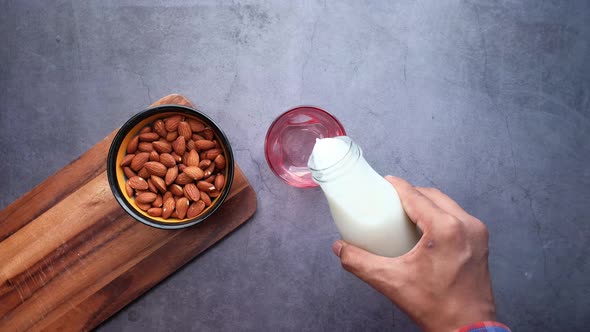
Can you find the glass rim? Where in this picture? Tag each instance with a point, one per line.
(272, 127)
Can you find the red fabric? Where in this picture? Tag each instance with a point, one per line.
(485, 327)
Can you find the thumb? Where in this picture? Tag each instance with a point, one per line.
(359, 262)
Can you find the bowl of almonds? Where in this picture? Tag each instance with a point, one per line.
(170, 166)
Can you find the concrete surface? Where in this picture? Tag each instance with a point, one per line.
(487, 100)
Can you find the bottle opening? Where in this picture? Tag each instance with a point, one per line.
(328, 152)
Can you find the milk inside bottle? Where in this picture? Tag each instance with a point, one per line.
(365, 207)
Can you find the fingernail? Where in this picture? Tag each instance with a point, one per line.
(337, 247)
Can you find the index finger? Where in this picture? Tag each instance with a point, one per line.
(418, 207)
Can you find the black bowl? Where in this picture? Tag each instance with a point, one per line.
(118, 150)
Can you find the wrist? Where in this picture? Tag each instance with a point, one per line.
(460, 315)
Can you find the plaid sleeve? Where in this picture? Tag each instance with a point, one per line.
(485, 327)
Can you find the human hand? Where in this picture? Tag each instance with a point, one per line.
(443, 283)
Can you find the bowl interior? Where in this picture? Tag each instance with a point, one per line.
(121, 150)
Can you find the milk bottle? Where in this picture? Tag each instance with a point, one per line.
(365, 207)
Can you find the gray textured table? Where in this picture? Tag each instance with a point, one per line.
(487, 100)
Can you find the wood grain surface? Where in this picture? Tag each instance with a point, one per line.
(70, 257)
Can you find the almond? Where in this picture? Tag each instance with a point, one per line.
(138, 161)
(191, 192)
(158, 202)
(129, 173)
(197, 137)
(210, 179)
(205, 186)
(181, 167)
(183, 179)
(160, 128)
(151, 186)
(159, 183)
(155, 212)
(167, 160)
(209, 170)
(143, 173)
(176, 190)
(176, 157)
(168, 208)
(128, 189)
(127, 160)
(212, 154)
(138, 192)
(179, 145)
(148, 137)
(156, 168)
(214, 194)
(172, 122)
(194, 172)
(171, 175)
(171, 136)
(190, 145)
(143, 206)
(154, 156)
(195, 209)
(204, 144)
(145, 198)
(207, 133)
(204, 164)
(192, 159)
(205, 198)
(166, 196)
(162, 147)
(138, 183)
(220, 162)
(132, 146)
(144, 130)
(182, 205)
(145, 147)
(196, 125)
(217, 146)
(184, 130)
(219, 181)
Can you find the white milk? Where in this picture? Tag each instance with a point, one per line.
(365, 207)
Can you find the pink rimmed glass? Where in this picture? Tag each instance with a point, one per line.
(290, 140)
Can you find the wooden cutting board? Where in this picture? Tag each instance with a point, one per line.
(70, 257)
